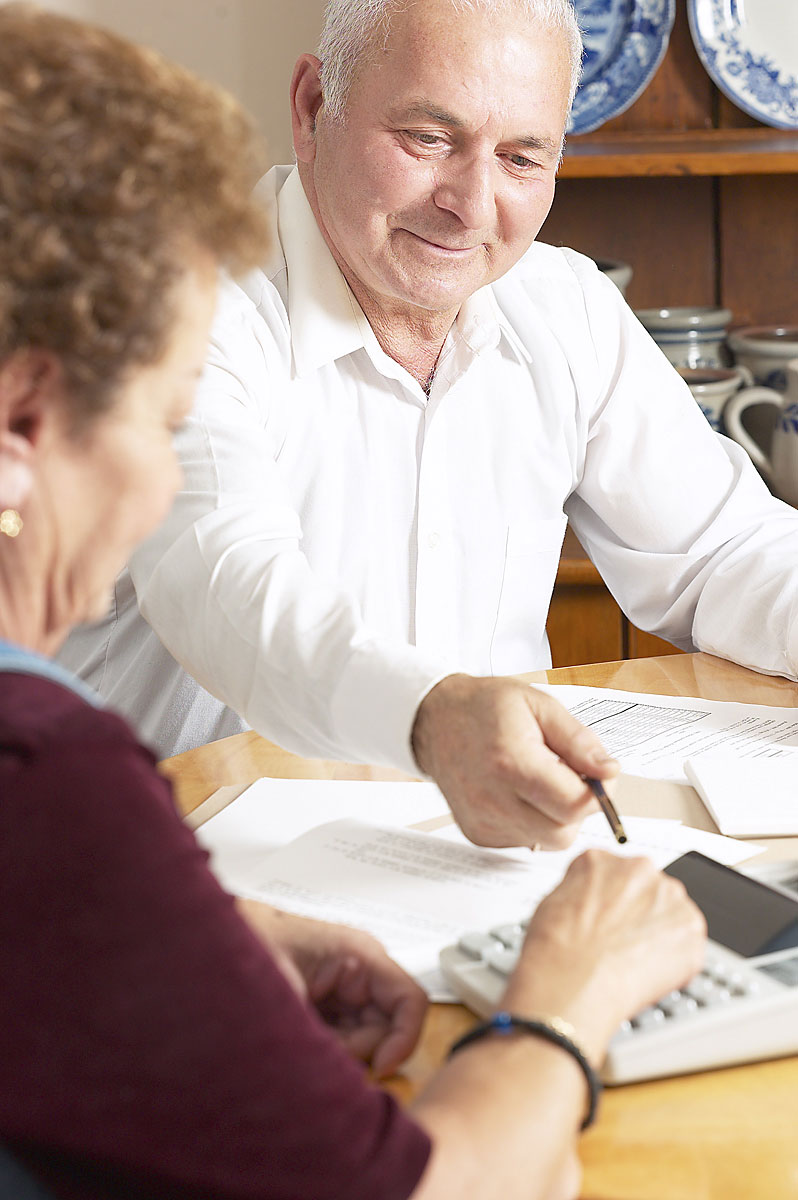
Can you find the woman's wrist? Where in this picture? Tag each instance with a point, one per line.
(593, 1022)
(548, 1028)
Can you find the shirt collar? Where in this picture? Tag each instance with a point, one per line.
(325, 318)
(481, 323)
(321, 308)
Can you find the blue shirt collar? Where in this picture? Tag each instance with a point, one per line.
(28, 662)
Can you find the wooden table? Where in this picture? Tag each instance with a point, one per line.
(723, 1135)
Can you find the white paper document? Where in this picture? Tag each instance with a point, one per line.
(748, 797)
(653, 735)
(417, 892)
(272, 812)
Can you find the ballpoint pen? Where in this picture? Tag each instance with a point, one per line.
(608, 808)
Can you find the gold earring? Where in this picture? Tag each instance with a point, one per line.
(10, 522)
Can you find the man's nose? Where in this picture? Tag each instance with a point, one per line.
(466, 188)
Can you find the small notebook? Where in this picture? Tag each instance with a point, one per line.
(748, 797)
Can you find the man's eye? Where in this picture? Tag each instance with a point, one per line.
(519, 161)
(426, 139)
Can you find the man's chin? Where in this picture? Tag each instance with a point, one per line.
(442, 301)
(439, 292)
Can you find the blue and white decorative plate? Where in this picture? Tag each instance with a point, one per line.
(750, 50)
(625, 41)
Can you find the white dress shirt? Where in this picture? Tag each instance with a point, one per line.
(343, 541)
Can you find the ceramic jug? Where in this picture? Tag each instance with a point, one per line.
(712, 387)
(764, 349)
(619, 272)
(689, 337)
(780, 467)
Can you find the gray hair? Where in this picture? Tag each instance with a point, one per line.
(352, 27)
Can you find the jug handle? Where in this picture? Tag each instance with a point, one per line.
(732, 412)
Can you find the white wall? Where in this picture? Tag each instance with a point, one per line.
(249, 46)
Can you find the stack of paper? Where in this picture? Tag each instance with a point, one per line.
(653, 735)
(753, 797)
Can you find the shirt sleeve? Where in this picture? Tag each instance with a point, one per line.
(226, 587)
(150, 1046)
(684, 532)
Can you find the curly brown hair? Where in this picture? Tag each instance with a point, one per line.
(114, 165)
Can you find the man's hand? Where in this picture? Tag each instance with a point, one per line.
(509, 760)
(375, 1008)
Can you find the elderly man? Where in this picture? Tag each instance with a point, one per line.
(399, 414)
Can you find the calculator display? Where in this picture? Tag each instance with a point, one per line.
(783, 969)
(747, 916)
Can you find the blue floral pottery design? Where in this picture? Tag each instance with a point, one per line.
(625, 41)
(750, 50)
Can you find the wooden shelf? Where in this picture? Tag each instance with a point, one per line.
(578, 572)
(585, 624)
(702, 201)
(704, 152)
(575, 568)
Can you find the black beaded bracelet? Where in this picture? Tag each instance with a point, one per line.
(552, 1029)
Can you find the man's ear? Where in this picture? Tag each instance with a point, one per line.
(306, 100)
(30, 382)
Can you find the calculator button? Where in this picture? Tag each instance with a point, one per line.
(700, 988)
(740, 984)
(475, 944)
(718, 995)
(509, 935)
(501, 959)
(649, 1018)
(714, 965)
(720, 977)
(678, 1005)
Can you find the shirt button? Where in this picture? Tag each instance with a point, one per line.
(433, 540)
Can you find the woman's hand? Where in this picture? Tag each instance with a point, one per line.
(613, 937)
(374, 1006)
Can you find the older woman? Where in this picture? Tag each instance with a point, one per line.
(156, 1038)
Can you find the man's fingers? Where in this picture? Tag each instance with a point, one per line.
(510, 760)
(533, 797)
(528, 813)
(577, 745)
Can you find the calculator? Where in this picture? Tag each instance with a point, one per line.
(741, 1007)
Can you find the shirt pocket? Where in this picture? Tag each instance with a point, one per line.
(532, 554)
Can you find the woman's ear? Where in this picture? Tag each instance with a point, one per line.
(306, 100)
(29, 381)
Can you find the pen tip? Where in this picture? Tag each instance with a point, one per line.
(622, 838)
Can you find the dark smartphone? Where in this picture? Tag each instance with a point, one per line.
(747, 916)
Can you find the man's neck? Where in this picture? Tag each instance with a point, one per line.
(415, 345)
